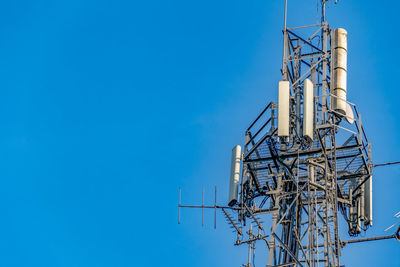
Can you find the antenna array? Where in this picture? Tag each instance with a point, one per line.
(306, 159)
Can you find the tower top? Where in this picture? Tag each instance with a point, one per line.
(321, 11)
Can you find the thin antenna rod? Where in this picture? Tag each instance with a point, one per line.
(202, 210)
(323, 11)
(249, 262)
(179, 208)
(285, 17)
(368, 239)
(386, 164)
(215, 208)
(285, 37)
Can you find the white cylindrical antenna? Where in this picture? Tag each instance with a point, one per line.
(308, 108)
(235, 173)
(339, 70)
(283, 108)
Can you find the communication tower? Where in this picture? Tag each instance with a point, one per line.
(306, 159)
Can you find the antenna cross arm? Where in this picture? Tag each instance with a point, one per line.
(396, 236)
(385, 164)
(250, 240)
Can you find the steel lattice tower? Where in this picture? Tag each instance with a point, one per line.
(295, 185)
(307, 182)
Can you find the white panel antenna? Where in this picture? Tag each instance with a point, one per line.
(283, 108)
(308, 107)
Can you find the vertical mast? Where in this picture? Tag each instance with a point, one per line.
(284, 68)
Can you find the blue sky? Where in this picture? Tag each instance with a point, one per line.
(107, 107)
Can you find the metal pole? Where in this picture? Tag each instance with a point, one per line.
(284, 59)
(285, 17)
(368, 239)
(202, 210)
(385, 164)
(249, 262)
(179, 207)
(215, 208)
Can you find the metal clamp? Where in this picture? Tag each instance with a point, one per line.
(397, 234)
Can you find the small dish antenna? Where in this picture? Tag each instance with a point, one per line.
(349, 114)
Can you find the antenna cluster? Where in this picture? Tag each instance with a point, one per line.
(306, 159)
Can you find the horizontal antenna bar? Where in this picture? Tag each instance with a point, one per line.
(386, 164)
(306, 26)
(209, 207)
(259, 211)
(368, 239)
(258, 237)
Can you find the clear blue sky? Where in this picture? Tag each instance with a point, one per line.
(107, 107)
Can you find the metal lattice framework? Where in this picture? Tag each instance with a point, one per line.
(298, 185)
(307, 183)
